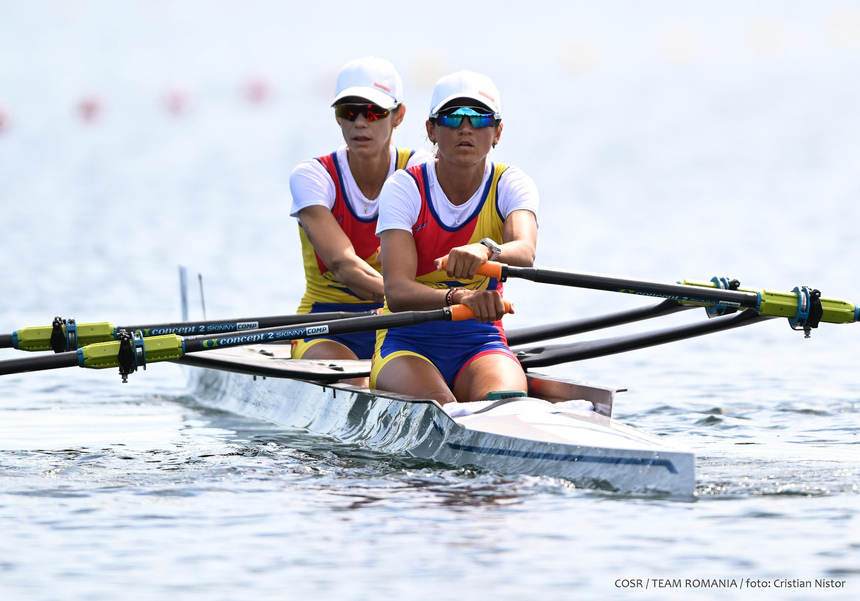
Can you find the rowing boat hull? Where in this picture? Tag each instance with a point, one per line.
(516, 436)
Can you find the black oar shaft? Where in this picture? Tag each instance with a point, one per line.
(131, 351)
(341, 326)
(679, 292)
(38, 363)
(804, 306)
(43, 338)
(531, 334)
(591, 349)
(235, 325)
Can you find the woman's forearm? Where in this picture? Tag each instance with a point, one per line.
(359, 277)
(409, 295)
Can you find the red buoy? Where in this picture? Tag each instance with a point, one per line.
(178, 100)
(90, 108)
(257, 90)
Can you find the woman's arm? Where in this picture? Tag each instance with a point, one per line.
(519, 239)
(403, 293)
(335, 249)
(518, 248)
(400, 258)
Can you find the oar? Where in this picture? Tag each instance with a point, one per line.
(66, 335)
(133, 351)
(590, 349)
(804, 307)
(531, 334)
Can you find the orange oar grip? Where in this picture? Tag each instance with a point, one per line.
(489, 269)
(462, 312)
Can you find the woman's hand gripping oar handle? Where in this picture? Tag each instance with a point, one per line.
(490, 269)
(462, 312)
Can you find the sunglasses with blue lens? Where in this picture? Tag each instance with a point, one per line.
(455, 118)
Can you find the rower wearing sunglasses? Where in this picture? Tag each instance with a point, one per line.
(335, 200)
(465, 209)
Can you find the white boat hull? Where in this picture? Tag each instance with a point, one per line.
(525, 435)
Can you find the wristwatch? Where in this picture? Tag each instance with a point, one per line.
(494, 248)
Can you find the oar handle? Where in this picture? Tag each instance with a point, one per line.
(490, 269)
(462, 312)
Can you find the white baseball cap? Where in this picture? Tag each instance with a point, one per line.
(466, 84)
(374, 79)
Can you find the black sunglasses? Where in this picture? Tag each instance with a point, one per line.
(371, 112)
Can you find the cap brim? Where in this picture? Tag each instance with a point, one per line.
(372, 95)
(480, 100)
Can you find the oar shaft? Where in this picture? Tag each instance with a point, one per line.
(136, 351)
(531, 334)
(352, 325)
(803, 306)
(678, 292)
(38, 363)
(340, 326)
(39, 338)
(237, 325)
(578, 351)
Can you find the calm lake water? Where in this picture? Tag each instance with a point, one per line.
(667, 141)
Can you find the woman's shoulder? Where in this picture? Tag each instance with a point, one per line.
(315, 168)
(403, 178)
(311, 183)
(419, 156)
(513, 176)
(517, 191)
(510, 170)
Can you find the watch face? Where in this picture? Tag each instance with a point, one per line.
(491, 245)
(494, 248)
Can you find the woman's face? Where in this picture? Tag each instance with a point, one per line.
(369, 137)
(464, 145)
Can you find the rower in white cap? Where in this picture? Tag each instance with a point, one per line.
(467, 210)
(336, 202)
